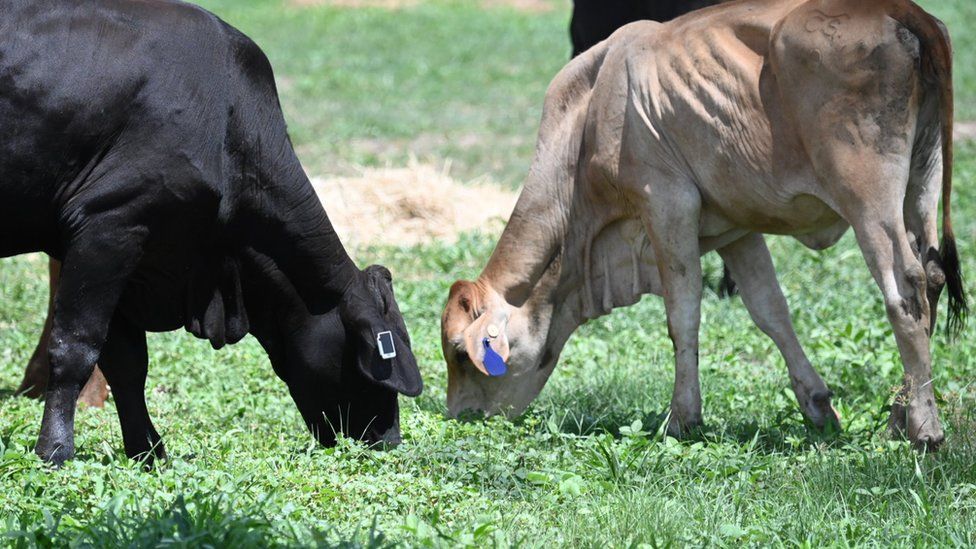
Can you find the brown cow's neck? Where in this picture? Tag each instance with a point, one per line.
(534, 235)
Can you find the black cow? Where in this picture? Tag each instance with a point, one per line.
(145, 148)
(595, 20)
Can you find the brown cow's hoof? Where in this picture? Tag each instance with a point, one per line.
(898, 421)
(685, 429)
(818, 410)
(929, 443)
(922, 427)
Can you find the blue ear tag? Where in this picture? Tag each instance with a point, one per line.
(493, 361)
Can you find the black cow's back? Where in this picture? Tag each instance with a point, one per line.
(112, 92)
(156, 111)
(129, 98)
(595, 20)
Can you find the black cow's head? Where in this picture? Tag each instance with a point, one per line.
(332, 363)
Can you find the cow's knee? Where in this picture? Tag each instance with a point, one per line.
(72, 362)
(907, 303)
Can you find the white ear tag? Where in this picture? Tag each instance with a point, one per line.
(384, 340)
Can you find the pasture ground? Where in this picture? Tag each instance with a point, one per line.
(586, 466)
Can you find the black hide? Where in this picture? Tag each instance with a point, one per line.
(144, 146)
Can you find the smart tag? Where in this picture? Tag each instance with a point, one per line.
(384, 340)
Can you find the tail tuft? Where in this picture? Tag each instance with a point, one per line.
(958, 308)
(727, 287)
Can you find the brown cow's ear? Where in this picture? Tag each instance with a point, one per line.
(461, 309)
(465, 298)
(469, 321)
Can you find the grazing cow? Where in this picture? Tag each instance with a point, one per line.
(595, 20)
(794, 117)
(144, 147)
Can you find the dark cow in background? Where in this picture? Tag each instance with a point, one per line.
(144, 147)
(595, 20)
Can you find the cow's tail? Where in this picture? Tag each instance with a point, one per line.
(936, 50)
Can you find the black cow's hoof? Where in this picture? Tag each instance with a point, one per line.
(53, 453)
(148, 456)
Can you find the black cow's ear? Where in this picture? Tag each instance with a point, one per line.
(369, 310)
(399, 373)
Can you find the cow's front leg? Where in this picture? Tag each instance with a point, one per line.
(125, 362)
(752, 269)
(38, 369)
(95, 271)
(902, 279)
(673, 217)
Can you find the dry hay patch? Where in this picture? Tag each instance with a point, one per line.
(410, 205)
(537, 6)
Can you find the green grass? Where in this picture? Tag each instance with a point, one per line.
(441, 80)
(586, 466)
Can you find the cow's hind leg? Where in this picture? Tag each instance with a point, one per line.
(96, 268)
(903, 281)
(921, 222)
(672, 216)
(752, 268)
(125, 363)
(857, 116)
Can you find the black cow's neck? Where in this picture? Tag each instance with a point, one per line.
(271, 298)
(282, 218)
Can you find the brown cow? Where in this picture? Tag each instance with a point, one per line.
(794, 117)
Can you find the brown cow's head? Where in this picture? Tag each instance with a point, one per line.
(608, 265)
(528, 336)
